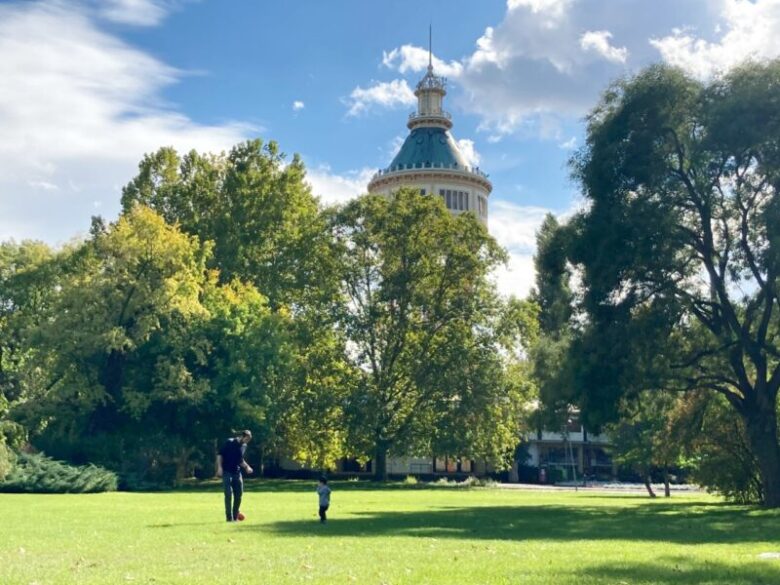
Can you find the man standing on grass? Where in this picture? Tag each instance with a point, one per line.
(230, 461)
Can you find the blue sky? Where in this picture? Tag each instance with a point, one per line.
(88, 86)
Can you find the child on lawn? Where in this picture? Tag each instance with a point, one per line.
(324, 493)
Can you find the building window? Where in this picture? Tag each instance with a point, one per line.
(482, 206)
(455, 200)
(422, 191)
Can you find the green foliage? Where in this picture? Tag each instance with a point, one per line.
(150, 358)
(555, 301)
(6, 460)
(257, 211)
(421, 319)
(643, 439)
(679, 247)
(714, 440)
(29, 276)
(552, 291)
(265, 228)
(38, 474)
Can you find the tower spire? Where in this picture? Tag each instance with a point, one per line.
(430, 47)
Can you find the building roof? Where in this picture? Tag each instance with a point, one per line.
(428, 146)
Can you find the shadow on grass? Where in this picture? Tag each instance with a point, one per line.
(677, 523)
(683, 570)
(180, 524)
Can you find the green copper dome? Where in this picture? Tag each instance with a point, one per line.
(428, 147)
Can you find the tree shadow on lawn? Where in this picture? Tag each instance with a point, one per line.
(251, 484)
(680, 570)
(676, 523)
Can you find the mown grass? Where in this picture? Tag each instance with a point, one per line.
(399, 535)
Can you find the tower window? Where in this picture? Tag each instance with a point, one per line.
(482, 202)
(455, 200)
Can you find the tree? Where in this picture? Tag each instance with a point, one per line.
(258, 212)
(149, 357)
(680, 246)
(28, 278)
(29, 274)
(715, 445)
(553, 295)
(266, 228)
(640, 439)
(418, 313)
(552, 290)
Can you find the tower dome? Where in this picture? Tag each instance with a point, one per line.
(430, 159)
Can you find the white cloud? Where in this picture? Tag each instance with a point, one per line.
(569, 144)
(387, 94)
(514, 227)
(598, 41)
(393, 147)
(555, 8)
(298, 105)
(79, 107)
(409, 58)
(469, 152)
(531, 68)
(517, 278)
(137, 12)
(752, 31)
(45, 185)
(332, 188)
(547, 61)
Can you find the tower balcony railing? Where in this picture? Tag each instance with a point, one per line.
(442, 114)
(430, 166)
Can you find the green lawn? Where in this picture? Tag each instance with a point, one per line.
(392, 535)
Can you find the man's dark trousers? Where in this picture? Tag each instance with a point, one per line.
(234, 485)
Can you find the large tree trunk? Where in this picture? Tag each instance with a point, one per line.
(761, 426)
(380, 461)
(667, 489)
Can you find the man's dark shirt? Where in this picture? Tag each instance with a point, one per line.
(232, 455)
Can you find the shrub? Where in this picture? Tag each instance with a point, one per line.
(33, 473)
(12, 435)
(444, 482)
(410, 480)
(473, 481)
(6, 460)
(716, 442)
